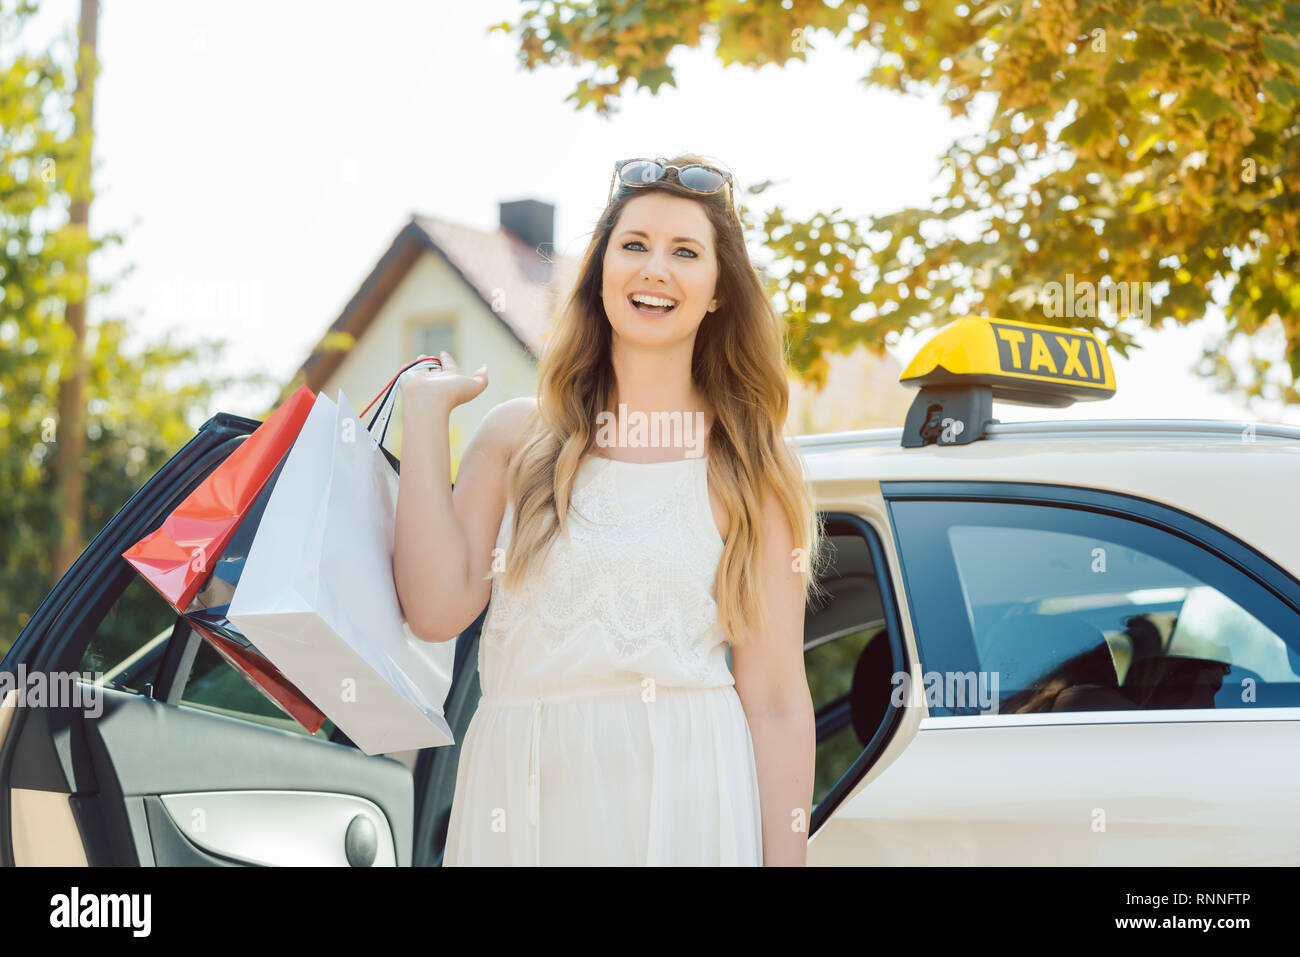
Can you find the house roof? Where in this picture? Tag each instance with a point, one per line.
(529, 285)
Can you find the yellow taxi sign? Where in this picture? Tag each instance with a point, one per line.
(1023, 362)
(975, 360)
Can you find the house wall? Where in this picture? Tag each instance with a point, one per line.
(432, 292)
(862, 392)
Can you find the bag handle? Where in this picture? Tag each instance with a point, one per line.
(387, 397)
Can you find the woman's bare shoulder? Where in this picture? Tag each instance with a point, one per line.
(509, 423)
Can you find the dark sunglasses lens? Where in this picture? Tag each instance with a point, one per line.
(701, 179)
(641, 172)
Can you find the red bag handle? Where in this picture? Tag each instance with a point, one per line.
(384, 391)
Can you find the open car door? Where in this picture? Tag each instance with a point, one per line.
(146, 748)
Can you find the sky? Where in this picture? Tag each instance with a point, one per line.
(260, 158)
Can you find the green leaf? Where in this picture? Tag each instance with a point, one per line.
(1218, 31)
(1122, 71)
(627, 18)
(1151, 46)
(1162, 16)
(1206, 104)
(1282, 51)
(1087, 128)
(653, 79)
(1283, 91)
(1201, 55)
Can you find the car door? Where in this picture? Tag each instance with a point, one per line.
(178, 761)
(1107, 681)
(853, 645)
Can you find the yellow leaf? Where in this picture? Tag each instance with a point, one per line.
(337, 341)
(1151, 139)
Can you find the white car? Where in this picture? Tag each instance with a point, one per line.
(1064, 642)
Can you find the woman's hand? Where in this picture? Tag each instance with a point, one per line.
(441, 390)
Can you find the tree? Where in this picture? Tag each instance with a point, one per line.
(1129, 141)
(68, 477)
(141, 404)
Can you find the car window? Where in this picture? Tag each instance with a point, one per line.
(216, 685)
(830, 667)
(846, 657)
(1030, 608)
(125, 650)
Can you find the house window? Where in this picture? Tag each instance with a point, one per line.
(432, 338)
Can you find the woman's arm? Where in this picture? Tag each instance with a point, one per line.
(773, 688)
(443, 539)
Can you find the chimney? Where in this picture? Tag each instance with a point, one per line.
(532, 221)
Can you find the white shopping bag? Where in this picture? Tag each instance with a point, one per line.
(317, 596)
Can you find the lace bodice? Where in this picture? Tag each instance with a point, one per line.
(630, 593)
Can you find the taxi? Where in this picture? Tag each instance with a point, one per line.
(1061, 642)
(1066, 642)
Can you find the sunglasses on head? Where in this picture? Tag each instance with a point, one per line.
(694, 176)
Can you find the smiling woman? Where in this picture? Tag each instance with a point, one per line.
(611, 729)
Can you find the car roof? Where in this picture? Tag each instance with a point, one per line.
(1243, 480)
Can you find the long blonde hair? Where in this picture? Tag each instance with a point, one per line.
(739, 366)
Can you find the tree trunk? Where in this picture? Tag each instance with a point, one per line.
(71, 428)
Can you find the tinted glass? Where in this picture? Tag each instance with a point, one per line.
(1031, 608)
(847, 658)
(831, 667)
(127, 646)
(215, 685)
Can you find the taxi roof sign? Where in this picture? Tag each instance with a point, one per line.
(975, 360)
(1024, 362)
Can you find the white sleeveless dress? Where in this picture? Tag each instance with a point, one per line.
(610, 731)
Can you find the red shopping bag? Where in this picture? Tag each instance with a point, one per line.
(177, 558)
(207, 616)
